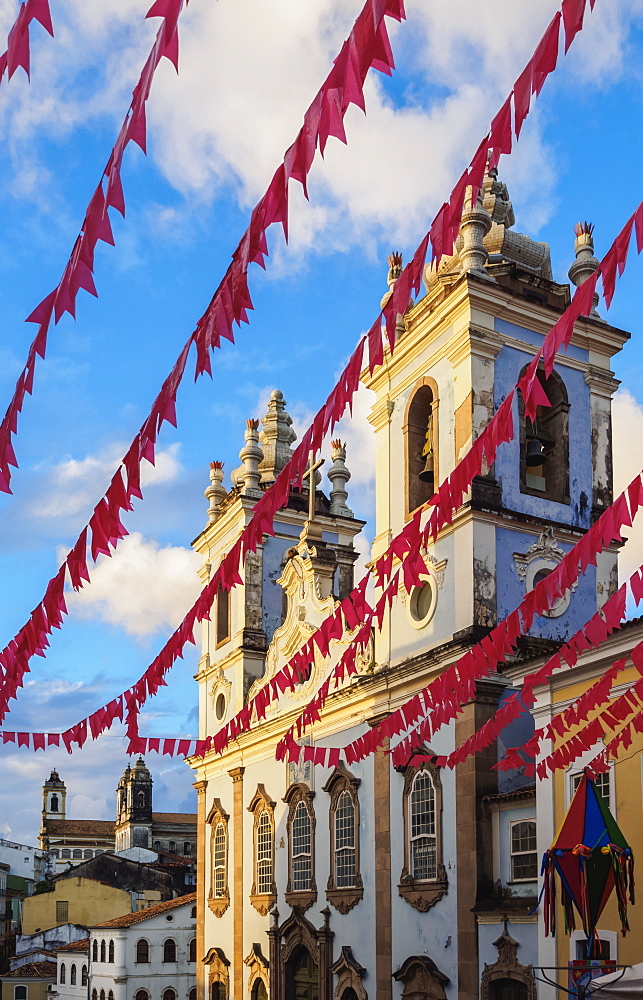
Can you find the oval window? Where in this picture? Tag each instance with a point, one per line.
(220, 706)
(422, 603)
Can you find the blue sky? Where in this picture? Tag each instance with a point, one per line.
(216, 132)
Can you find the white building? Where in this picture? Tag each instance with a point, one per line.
(28, 862)
(72, 962)
(147, 955)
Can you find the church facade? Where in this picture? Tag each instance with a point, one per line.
(372, 881)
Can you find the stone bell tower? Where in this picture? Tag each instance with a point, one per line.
(133, 826)
(244, 621)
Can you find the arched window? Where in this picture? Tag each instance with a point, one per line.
(263, 892)
(193, 913)
(421, 444)
(187, 848)
(169, 950)
(218, 991)
(102, 950)
(77, 853)
(142, 951)
(157, 845)
(72, 975)
(344, 888)
(223, 616)
(259, 991)
(94, 994)
(94, 950)
(218, 894)
(63, 973)
(66, 853)
(423, 876)
(110, 952)
(141, 995)
(169, 994)
(302, 888)
(192, 994)
(548, 437)
(88, 854)
(54, 804)
(110, 995)
(192, 950)
(172, 847)
(102, 995)
(141, 800)
(84, 976)
(20, 993)
(55, 853)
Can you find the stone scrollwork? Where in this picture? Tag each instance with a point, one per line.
(506, 967)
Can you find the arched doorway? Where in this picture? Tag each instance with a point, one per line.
(302, 976)
(259, 991)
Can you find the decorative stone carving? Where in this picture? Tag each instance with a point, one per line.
(349, 974)
(297, 932)
(585, 263)
(301, 770)
(422, 979)
(220, 685)
(435, 573)
(218, 966)
(544, 555)
(276, 437)
(507, 967)
(216, 493)
(339, 476)
(247, 476)
(259, 967)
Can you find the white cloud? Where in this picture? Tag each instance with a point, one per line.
(143, 588)
(75, 484)
(627, 420)
(249, 70)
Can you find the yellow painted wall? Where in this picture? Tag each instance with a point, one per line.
(36, 988)
(90, 902)
(628, 784)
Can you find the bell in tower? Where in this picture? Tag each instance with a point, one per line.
(53, 797)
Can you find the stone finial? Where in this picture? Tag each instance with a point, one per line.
(585, 263)
(276, 437)
(476, 223)
(248, 477)
(339, 476)
(215, 492)
(394, 271)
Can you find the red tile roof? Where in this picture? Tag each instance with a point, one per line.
(82, 945)
(135, 918)
(102, 829)
(188, 819)
(33, 970)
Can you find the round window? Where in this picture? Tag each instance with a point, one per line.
(422, 604)
(220, 706)
(541, 572)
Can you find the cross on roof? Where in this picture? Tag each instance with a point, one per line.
(310, 472)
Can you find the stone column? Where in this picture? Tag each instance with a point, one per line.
(325, 957)
(383, 923)
(339, 476)
(238, 900)
(201, 854)
(273, 953)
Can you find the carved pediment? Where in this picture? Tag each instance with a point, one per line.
(421, 978)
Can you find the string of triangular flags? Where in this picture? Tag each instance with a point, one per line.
(105, 528)
(18, 52)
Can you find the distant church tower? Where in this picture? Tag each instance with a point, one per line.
(54, 794)
(134, 808)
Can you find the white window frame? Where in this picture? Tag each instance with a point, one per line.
(431, 837)
(512, 853)
(576, 769)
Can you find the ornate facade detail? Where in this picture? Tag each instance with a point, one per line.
(507, 967)
(247, 477)
(339, 476)
(216, 493)
(423, 893)
(343, 783)
(422, 979)
(262, 806)
(540, 558)
(259, 967)
(349, 974)
(219, 892)
(435, 572)
(288, 941)
(276, 437)
(304, 897)
(220, 685)
(217, 965)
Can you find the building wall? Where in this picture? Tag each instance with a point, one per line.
(87, 901)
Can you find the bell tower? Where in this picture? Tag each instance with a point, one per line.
(54, 795)
(133, 826)
(243, 622)
(461, 349)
